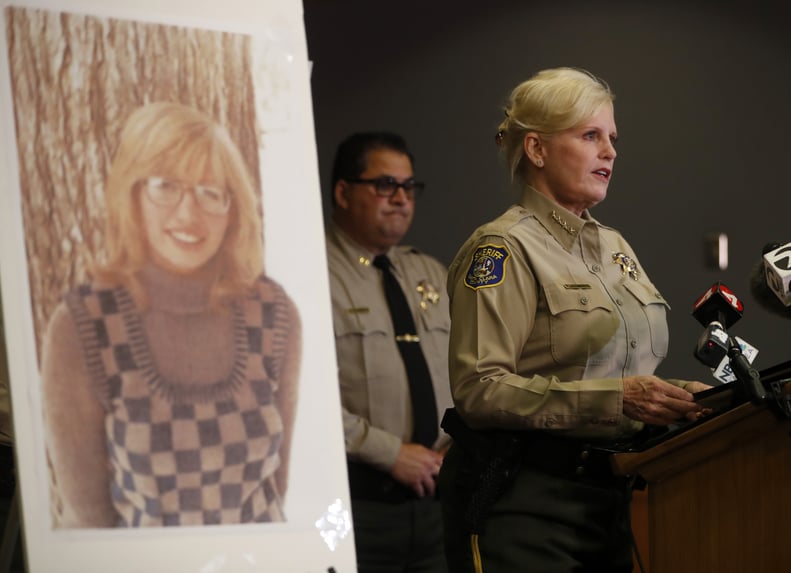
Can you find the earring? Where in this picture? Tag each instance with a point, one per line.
(539, 162)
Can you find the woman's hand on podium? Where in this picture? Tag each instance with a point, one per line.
(651, 400)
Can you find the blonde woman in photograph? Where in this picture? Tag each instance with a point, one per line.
(170, 379)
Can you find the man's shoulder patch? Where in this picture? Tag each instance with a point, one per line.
(487, 268)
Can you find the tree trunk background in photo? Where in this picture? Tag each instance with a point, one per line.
(75, 79)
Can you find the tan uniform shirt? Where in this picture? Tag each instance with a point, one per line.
(549, 312)
(377, 414)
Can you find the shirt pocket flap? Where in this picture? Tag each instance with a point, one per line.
(434, 319)
(362, 320)
(645, 293)
(561, 298)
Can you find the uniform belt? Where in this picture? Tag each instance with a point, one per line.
(366, 483)
(569, 458)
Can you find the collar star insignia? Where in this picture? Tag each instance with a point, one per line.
(628, 266)
(562, 222)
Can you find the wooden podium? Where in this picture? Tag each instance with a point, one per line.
(719, 494)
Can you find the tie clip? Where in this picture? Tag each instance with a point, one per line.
(407, 338)
(577, 286)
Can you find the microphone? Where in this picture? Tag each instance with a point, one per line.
(717, 309)
(777, 264)
(718, 304)
(723, 372)
(770, 278)
(713, 344)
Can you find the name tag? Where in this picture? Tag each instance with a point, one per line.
(358, 310)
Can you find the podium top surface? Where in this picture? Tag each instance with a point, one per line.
(733, 418)
(720, 399)
(776, 373)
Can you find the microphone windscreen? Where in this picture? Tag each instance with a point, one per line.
(763, 295)
(718, 303)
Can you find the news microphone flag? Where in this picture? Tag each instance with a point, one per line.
(777, 267)
(724, 372)
(718, 304)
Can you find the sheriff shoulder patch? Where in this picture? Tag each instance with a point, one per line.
(487, 268)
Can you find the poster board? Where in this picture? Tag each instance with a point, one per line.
(74, 72)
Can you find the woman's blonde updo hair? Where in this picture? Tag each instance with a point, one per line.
(178, 141)
(549, 102)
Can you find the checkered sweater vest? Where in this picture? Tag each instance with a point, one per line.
(182, 454)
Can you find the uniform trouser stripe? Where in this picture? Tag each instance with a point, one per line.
(476, 553)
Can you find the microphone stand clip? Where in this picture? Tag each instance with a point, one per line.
(745, 373)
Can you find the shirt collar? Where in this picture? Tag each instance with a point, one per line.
(561, 223)
(362, 257)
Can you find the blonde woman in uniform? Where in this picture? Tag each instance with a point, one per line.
(556, 331)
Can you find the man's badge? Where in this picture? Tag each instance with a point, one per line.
(487, 268)
(428, 294)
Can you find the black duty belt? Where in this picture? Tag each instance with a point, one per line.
(568, 458)
(366, 483)
(564, 457)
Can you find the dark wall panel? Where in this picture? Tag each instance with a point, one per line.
(703, 111)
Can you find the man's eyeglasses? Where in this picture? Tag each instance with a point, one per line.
(169, 193)
(388, 186)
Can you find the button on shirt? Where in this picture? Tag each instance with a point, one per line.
(377, 413)
(548, 345)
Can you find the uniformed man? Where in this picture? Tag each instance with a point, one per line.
(392, 356)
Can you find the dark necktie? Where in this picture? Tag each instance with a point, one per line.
(424, 406)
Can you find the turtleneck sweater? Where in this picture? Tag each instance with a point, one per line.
(190, 342)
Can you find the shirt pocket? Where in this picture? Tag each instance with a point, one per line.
(434, 328)
(364, 346)
(435, 319)
(655, 307)
(581, 324)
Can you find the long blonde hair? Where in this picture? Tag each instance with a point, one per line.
(179, 141)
